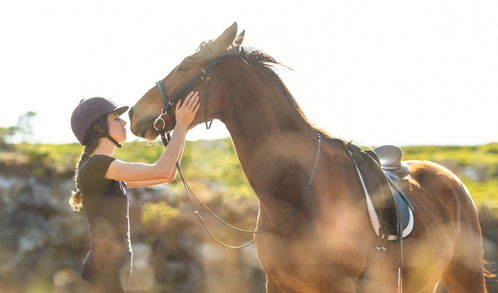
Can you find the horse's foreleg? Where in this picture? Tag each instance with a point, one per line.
(298, 285)
(379, 276)
(272, 287)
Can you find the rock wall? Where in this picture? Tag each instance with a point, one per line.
(43, 243)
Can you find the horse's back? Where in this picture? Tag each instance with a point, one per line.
(436, 184)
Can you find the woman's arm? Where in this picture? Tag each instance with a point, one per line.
(139, 184)
(170, 178)
(164, 167)
(172, 175)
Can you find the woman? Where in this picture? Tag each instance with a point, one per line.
(101, 182)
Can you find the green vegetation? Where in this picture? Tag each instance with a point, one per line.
(214, 164)
(483, 155)
(485, 194)
(477, 166)
(157, 213)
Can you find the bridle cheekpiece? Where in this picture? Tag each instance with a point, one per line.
(203, 75)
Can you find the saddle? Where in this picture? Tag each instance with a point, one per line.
(380, 174)
(389, 158)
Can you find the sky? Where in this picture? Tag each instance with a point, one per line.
(375, 72)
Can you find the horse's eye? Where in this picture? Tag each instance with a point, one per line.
(183, 69)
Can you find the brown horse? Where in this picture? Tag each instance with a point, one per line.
(327, 246)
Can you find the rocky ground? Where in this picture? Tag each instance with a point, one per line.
(43, 242)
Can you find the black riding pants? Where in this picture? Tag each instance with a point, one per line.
(107, 274)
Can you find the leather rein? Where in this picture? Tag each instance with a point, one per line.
(201, 76)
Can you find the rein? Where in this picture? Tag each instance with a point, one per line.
(204, 75)
(302, 198)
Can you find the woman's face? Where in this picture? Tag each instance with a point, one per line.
(116, 127)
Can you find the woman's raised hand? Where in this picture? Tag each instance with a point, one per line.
(185, 111)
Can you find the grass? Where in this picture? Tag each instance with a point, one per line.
(215, 163)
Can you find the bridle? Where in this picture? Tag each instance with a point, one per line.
(201, 76)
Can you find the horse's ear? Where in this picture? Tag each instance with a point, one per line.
(222, 43)
(238, 40)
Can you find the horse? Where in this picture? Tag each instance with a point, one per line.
(328, 243)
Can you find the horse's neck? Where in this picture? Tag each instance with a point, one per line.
(267, 131)
(259, 107)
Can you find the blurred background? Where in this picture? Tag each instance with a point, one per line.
(43, 242)
(424, 72)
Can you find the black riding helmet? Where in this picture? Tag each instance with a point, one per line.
(90, 110)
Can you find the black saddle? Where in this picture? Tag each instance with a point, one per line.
(380, 173)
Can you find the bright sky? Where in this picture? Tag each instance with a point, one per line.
(376, 72)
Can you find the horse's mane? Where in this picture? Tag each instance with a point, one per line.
(264, 63)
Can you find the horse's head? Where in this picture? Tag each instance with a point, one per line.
(148, 108)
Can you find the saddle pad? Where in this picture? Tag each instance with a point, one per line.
(383, 194)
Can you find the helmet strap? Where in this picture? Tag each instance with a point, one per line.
(113, 140)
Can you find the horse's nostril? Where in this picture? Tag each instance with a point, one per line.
(130, 113)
